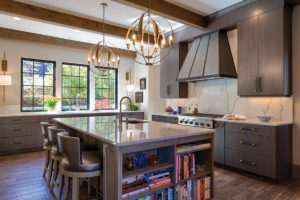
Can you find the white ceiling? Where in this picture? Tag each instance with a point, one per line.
(204, 7)
(116, 13)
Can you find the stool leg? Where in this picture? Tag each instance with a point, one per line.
(66, 189)
(89, 186)
(54, 177)
(50, 169)
(75, 188)
(97, 186)
(46, 162)
(60, 186)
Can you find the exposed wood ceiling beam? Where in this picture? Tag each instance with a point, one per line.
(170, 11)
(293, 2)
(47, 15)
(32, 37)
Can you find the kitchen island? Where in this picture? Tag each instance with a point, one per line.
(133, 137)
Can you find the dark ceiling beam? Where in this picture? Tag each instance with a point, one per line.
(52, 16)
(32, 37)
(293, 2)
(170, 11)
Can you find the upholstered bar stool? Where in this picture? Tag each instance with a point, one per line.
(46, 145)
(77, 165)
(56, 156)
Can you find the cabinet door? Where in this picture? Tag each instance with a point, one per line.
(248, 57)
(271, 51)
(219, 142)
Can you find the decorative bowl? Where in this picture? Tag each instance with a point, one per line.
(264, 118)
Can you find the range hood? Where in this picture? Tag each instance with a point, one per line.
(208, 58)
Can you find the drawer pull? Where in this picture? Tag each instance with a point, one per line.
(247, 163)
(219, 125)
(18, 130)
(13, 143)
(17, 120)
(247, 129)
(247, 143)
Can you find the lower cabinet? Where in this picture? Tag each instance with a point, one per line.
(219, 142)
(165, 119)
(263, 150)
(23, 134)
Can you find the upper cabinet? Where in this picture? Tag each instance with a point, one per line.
(264, 54)
(169, 70)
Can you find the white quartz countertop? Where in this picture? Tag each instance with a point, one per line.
(20, 114)
(105, 128)
(257, 122)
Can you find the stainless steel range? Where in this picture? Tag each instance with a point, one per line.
(198, 120)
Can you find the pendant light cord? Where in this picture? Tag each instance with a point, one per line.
(103, 20)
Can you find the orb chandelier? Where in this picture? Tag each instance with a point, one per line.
(148, 46)
(101, 56)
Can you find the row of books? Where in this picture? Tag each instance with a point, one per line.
(149, 181)
(193, 147)
(197, 189)
(166, 194)
(185, 166)
(134, 185)
(158, 179)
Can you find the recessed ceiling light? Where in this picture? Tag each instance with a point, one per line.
(17, 18)
(76, 30)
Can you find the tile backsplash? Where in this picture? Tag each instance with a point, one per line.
(220, 97)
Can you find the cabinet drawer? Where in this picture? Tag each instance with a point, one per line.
(264, 146)
(19, 130)
(158, 118)
(249, 162)
(172, 120)
(138, 115)
(23, 120)
(20, 143)
(242, 128)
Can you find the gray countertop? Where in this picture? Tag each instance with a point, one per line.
(20, 114)
(105, 128)
(257, 122)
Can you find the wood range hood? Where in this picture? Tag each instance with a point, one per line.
(208, 58)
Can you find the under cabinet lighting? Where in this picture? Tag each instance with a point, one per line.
(17, 18)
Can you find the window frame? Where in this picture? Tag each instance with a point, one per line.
(54, 82)
(88, 84)
(116, 86)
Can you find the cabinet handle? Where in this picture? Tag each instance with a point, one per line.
(247, 163)
(257, 84)
(17, 120)
(247, 143)
(13, 143)
(219, 125)
(247, 129)
(18, 129)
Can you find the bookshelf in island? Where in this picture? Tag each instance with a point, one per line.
(149, 160)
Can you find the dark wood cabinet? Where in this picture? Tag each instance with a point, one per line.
(264, 54)
(219, 142)
(165, 119)
(260, 149)
(169, 70)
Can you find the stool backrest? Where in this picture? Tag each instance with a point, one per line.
(44, 126)
(52, 133)
(70, 147)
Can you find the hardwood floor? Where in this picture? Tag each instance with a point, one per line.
(21, 179)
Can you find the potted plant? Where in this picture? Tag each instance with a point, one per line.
(52, 102)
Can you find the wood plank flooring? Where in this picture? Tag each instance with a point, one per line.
(21, 179)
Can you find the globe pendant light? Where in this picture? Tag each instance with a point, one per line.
(101, 56)
(139, 34)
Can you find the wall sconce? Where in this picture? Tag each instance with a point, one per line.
(5, 80)
(130, 87)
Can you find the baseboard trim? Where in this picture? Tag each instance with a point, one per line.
(296, 171)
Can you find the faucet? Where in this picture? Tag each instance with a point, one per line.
(120, 115)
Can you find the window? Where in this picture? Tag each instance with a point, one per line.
(75, 80)
(106, 92)
(38, 82)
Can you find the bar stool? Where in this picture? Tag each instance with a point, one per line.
(46, 145)
(56, 156)
(77, 165)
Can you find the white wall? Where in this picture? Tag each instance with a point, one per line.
(296, 85)
(17, 49)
